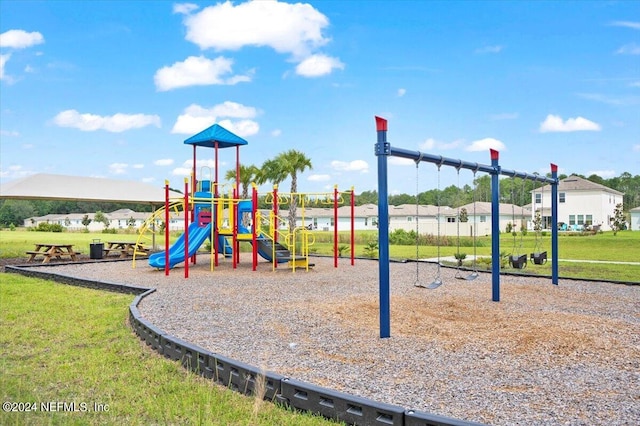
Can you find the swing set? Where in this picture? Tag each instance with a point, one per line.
(437, 281)
(383, 150)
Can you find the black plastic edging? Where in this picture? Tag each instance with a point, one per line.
(32, 271)
(420, 418)
(353, 410)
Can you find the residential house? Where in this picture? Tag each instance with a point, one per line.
(118, 219)
(323, 218)
(634, 223)
(580, 203)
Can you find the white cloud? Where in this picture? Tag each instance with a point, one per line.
(627, 24)
(622, 101)
(20, 39)
(241, 128)
(505, 116)
(554, 123)
(427, 145)
(138, 166)
(603, 173)
(181, 171)
(489, 49)
(187, 166)
(318, 65)
(635, 84)
(111, 123)
(629, 49)
(276, 132)
(287, 28)
(234, 110)
(399, 161)
(184, 8)
(149, 179)
(636, 148)
(319, 178)
(486, 144)
(14, 171)
(431, 144)
(351, 166)
(118, 168)
(197, 71)
(3, 61)
(196, 118)
(11, 133)
(401, 92)
(163, 162)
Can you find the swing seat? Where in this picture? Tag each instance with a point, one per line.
(539, 258)
(435, 284)
(518, 262)
(472, 276)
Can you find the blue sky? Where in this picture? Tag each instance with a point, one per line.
(113, 88)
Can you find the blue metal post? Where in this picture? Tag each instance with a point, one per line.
(554, 225)
(383, 150)
(495, 226)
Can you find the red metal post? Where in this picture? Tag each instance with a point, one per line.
(166, 227)
(254, 226)
(335, 226)
(235, 244)
(238, 167)
(275, 222)
(353, 231)
(186, 228)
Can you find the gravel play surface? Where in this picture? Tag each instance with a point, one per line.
(545, 354)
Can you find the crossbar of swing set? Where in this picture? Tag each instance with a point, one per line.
(383, 149)
(439, 160)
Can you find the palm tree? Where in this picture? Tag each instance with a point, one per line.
(284, 165)
(248, 174)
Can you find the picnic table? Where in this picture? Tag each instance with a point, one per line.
(125, 248)
(51, 250)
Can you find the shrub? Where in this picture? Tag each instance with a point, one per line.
(49, 227)
(371, 249)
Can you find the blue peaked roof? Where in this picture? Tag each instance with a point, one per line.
(216, 133)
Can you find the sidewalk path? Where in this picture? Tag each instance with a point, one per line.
(468, 258)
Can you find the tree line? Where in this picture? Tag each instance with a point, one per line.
(513, 191)
(291, 163)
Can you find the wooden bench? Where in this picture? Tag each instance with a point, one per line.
(125, 248)
(49, 251)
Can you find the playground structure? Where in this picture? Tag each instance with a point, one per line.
(216, 213)
(383, 150)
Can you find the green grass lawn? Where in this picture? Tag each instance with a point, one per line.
(64, 344)
(625, 247)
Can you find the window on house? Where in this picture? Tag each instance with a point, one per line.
(366, 221)
(538, 198)
(562, 197)
(409, 218)
(483, 218)
(580, 219)
(589, 220)
(572, 219)
(451, 219)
